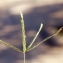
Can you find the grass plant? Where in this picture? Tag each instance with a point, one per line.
(27, 49)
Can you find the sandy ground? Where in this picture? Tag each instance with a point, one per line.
(48, 12)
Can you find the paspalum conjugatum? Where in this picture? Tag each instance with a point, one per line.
(24, 39)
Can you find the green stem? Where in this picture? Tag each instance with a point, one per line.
(24, 57)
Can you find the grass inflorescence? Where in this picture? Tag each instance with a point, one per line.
(24, 39)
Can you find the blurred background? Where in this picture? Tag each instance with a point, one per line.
(48, 12)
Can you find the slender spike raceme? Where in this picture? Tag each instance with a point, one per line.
(35, 36)
(24, 39)
(15, 48)
(23, 33)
